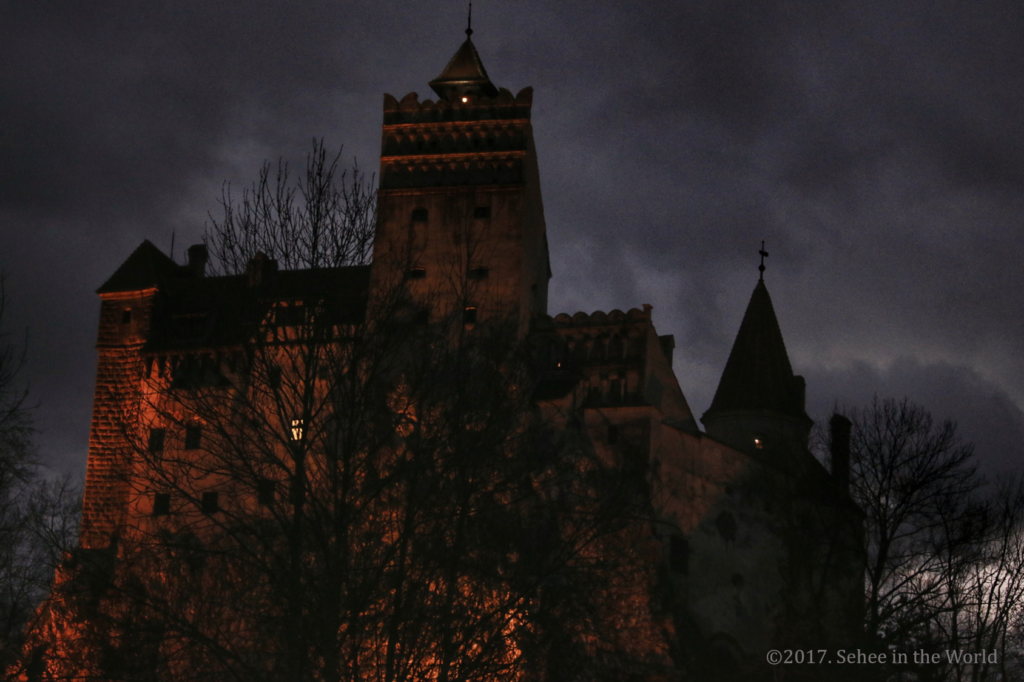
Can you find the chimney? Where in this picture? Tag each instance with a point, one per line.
(197, 257)
(260, 269)
(840, 426)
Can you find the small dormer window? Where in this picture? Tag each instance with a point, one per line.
(419, 215)
(482, 212)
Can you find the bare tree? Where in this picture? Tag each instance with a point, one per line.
(351, 489)
(945, 555)
(38, 518)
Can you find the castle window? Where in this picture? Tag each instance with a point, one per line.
(469, 315)
(297, 429)
(161, 504)
(416, 273)
(126, 316)
(274, 377)
(210, 503)
(419, 215)
(421, 317)
(482, 212)
(478, 273)
(615, 391)
(265, 492)
(613, 435)
(156, 440)
(679, 555)
(193, 437)
(289, 316)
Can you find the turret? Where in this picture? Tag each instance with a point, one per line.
(759, 404)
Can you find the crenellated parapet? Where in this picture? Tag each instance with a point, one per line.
(505, 106)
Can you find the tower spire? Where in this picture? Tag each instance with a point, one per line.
(764, 254)
(469, 24)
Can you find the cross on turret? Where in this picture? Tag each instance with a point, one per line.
(764, 254)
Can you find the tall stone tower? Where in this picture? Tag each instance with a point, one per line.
(460, 216)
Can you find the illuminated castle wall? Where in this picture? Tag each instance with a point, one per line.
(759, 540)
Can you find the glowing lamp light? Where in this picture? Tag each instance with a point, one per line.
(465, 99)
(758, 443)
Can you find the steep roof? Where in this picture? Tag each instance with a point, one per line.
(465, 74)
(758, 375)
(146, 268)
(212, 312)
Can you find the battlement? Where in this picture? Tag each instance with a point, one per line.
(601, 319)
(504, 106)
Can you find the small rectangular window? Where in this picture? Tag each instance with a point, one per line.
(416, 273)
(265, 492)
(126, 316)
(421, 317)
(210, 503)
(613, 435)
(679, 555)
(193, 437)
(161, 504)
(478, 273)
(290, 315)
(419, 215)
(156, 440)
(274, 376)
(482, 212)
(469, 316)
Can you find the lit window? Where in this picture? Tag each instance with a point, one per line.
(156, 440)
(297, 429)
(162, 504)
(193, 437)
(210, 503)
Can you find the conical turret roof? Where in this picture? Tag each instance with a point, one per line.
(758, 375)
(464, 75)
(147, 267)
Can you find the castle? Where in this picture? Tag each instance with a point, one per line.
(761, 545)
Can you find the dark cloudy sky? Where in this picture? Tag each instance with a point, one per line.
(876, 146)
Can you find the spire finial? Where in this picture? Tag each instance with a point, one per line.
(764, 254)
(469, 24)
